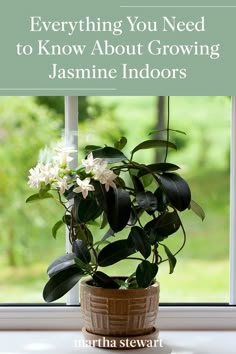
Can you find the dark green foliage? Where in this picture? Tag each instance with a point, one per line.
(150, 144)
(103, 280)
(163, 226)
(61, 263)
(197, 209)
(85, 210)
(171, 258)
(56, 227)
(162, 200)
(139, 240)
(145, 273)
(117, 198)
(115, 252)
(138, 186)
(157, 168)
(38, 196)
(61, 283)
(109, 154)
(176, 189)
(81, 251)
(147, 201)
(120, 144)
(118, 208)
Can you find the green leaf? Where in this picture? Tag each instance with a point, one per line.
(163, 226)
(81, 251)
(61, 283)
(162, 200)
(171, 258)
(90, 148)
(44, 190)
(67, 219)
(61, 263)
(140, 241)
(103, 280)
(104, 221)
(149, 144)
(85, 210)
(164, 130)
(100, 195)
(146, 180)
(138, 186)
(145, 273)
(118, 208)
(197, 209)
(134, 214)
(157, 168)
(37, 196)
(114, 252)
(56, 227)
(109, 154)
(83, 233)
(147, 201)
(176, 189)
(84, 266)
(120, 144)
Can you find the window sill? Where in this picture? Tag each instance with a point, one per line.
(171, 342)
(69, 318)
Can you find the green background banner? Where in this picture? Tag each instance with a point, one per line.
(117, 47)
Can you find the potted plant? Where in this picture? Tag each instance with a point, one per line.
(143, 203)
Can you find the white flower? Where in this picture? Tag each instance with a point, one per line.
(62, 159)
(42, 174)
(84, 186)
(92, 164)
(35, 177)
(63, 155)
(62, 184)
(106, 177)
(49, 172)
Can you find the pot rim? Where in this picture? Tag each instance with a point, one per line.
(84, 283)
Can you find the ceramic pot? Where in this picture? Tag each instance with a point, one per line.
(119, 312)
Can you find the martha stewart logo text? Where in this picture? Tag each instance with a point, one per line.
(103, 342)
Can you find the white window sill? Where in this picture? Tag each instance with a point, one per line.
(69, 318)
(172, 342)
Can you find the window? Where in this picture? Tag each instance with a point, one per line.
(227, 314)
(25, 128)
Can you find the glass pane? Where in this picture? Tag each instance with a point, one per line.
(201, 273)
(27, 246)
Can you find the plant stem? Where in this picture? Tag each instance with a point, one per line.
(155, 254)
(168, 126)
(62, 203)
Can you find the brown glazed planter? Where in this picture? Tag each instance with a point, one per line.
(119, 312)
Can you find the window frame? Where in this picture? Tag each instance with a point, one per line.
(70, 318)
(171, 317)
(232, 255)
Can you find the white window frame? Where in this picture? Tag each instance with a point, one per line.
(170, 317)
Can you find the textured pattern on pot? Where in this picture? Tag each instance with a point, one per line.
(119, 312)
